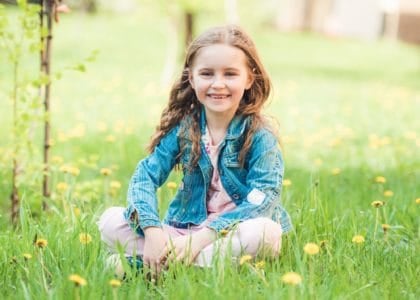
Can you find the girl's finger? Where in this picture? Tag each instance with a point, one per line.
(154, 271)
(158, 268)
(164, 254)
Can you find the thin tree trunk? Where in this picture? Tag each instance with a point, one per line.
(189, 27)
(14, 197)
(48, 6)
(308, 15)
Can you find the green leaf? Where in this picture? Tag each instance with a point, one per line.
(22, 3)
(25, 116)
(93, 55)
(44, 79)
(36, 83)
(35, 47)
(79, 67)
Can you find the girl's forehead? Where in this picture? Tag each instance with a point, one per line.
(219, 55)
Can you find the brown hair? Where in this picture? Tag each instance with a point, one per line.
(183, 101)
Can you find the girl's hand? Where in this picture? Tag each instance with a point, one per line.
(186, 248)
(155, 240)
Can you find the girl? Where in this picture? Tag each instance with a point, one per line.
(213, 129)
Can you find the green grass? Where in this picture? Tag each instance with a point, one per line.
(341, 104)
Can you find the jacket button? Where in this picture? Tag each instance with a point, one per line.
(235, 196)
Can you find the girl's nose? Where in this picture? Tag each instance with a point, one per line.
(218, 82)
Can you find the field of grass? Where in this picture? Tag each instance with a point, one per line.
(347, 113)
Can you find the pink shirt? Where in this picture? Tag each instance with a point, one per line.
(218, 201)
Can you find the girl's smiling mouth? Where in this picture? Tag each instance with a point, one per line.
(218, 96)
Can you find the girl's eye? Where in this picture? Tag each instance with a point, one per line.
(205, 74)
(230, 74)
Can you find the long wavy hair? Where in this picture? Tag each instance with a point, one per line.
(183, 101)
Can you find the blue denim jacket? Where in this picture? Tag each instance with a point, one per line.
(255, 188)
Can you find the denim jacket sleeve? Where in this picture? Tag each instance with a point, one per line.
(150, 174)
(264, 181)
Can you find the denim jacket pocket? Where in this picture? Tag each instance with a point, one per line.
(231, 160)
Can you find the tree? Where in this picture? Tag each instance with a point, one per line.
(16, 43)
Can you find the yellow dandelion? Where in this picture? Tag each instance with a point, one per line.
(115, 185)
(74, 171)
(318, 161)
(358, 239)
(62, 187)
(171, 185)
(114, 283)
(76, 211)
(385, 227)
(65, 169)
(291, 278)
(377, 203)
(27, 256)
(62, 137)
(388, 193)
(287, 182)
(77, 280)
(110, 138)
(260, 264)
(380, 179)
(57, 160)
(106, 171)
(224, 232)
(336, 171)
(418, 201)
(311, 248)
(244, 259)
(85, 238)
(41, 243)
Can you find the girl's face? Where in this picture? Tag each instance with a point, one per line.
(219, 76)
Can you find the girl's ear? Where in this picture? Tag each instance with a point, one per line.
(190, 77)
(250, 80)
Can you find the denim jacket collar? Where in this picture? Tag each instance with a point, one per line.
(236, 127)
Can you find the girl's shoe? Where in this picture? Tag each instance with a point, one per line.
(135, 262)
